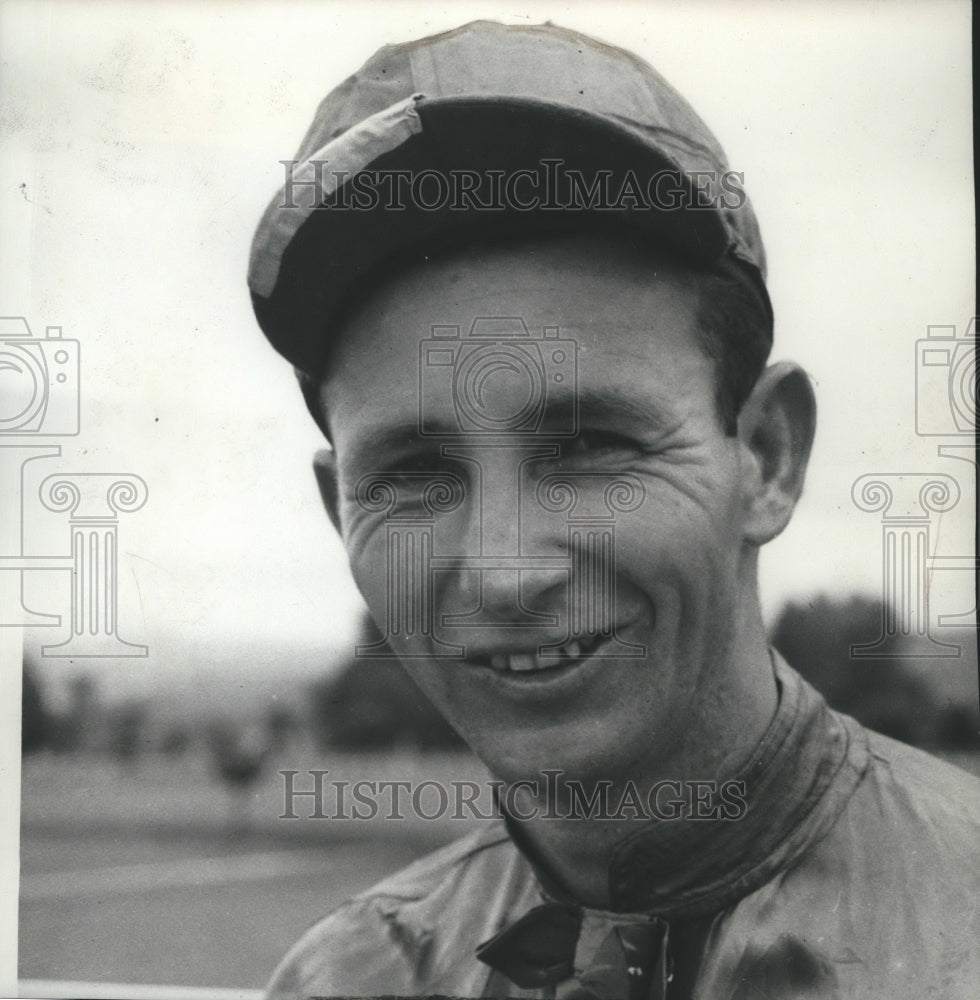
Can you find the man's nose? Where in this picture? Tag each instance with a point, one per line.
(505, 564)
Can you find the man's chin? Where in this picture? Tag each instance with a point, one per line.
(586, 749)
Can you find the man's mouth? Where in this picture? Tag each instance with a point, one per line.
(550, 658)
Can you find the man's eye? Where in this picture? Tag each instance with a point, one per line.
(589, 442)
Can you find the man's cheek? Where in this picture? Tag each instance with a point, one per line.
(367, 558)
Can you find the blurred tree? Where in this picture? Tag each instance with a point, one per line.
(74, 730)
(374, 704)
(175, 741)
(127, 731)
(280, 723)
(239, 752)
(956, 728)
(883, 694)
(34, 718)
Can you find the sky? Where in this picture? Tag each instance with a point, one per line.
(139, 143)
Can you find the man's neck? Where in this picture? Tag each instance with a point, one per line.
(725, 728)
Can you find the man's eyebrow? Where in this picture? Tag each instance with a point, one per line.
(385, 446)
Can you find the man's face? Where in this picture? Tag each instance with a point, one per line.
(638, 590)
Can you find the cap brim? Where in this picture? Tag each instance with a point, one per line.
(346, 239)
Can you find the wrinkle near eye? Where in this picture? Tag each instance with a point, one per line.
(691, 469)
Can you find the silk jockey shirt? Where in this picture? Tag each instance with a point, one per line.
(854, 872)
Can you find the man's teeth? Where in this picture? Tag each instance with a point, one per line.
(523, 662)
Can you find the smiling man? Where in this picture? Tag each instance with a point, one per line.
(525, 297)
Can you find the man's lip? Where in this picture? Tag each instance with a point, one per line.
(555, 673)
(563, 680)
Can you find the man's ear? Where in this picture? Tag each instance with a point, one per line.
(776, 426)
(325, 469)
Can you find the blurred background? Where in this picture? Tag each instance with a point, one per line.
(152, 829)
(138, 145)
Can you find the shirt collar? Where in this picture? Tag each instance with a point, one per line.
(794, 786)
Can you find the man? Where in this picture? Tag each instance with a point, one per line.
(525, 297)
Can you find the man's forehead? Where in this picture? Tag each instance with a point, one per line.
(588, 286)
